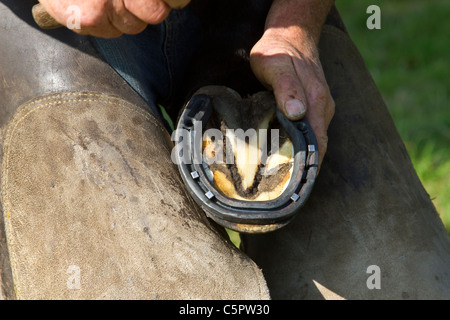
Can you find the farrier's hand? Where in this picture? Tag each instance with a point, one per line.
(298, 83)
(112, 18)
(286, 61)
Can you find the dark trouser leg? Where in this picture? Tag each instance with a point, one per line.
(367, 208)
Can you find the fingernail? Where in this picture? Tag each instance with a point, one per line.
(295, 108)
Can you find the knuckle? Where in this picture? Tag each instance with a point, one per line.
(91, 21)
(321, 94)
(156, 18)
(156, 14)
(331, 107)
(287, 83)
(321, 97)
(133, 28)
(290, 83)
(322, 141)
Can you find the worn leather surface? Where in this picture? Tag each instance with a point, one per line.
(88, 184)
(33, 63)
(367, 208)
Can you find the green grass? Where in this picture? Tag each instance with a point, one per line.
(409, 59)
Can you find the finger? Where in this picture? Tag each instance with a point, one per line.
(321, 136)
(81, 19)
(278, 73)
(124, 21)
(319, 116)
(290, 95)
(101, 29)
(148, 11)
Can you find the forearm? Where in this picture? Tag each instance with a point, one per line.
(298, 21)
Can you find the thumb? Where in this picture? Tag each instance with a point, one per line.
(290, 94)
(278, 73)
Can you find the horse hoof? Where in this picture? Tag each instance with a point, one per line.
(244, 163)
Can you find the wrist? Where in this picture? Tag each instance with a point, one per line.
(298, 21)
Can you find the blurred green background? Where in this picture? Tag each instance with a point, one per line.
(409, 59)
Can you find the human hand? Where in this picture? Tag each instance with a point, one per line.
(295, 75)
(112, 18)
